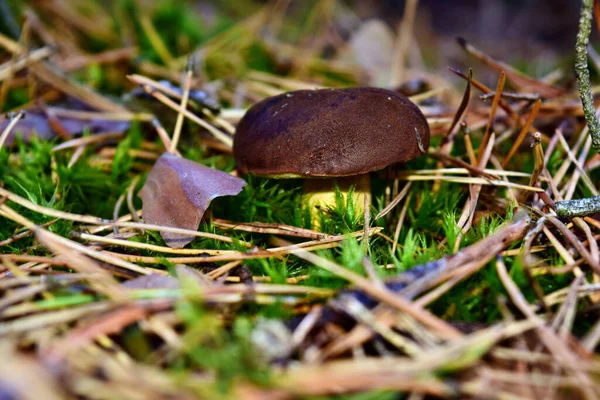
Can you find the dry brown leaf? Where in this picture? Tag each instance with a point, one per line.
(178, 192)
(35, 123)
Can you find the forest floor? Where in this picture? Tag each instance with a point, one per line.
(458, 280)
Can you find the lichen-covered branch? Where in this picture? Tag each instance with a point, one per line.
(578, 208)
(582, 73)
(587, 206)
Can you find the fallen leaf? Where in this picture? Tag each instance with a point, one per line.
(36, 123)
(178, 192)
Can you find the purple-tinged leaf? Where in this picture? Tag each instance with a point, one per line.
(178, 192)
(35, 123)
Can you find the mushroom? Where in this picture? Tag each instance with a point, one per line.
(340, 134)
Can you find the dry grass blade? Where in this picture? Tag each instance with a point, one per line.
(466, 219)
(112, 322)
(370, 374)
(108, 223)
(102, 115)
(269, 228)
(394, 202)
(452, 277)
(592, 338)
(469, 181)
(563, 320)
(465, 167)
(358, 311)
(485, 249)
(9, 68)
(532, 115)
(381, 294)
(218, 134)
(222, 270)
(13, 121)
(518, 78)
(100, 279)
(581, 171)
(147, 246)
(512, 96)
(560, 174)
(460, 111)
(22, 294)
(329, 239)
(399, 373)
(571, 237)
(129, 197)
(539, 166)
(84, 141)
(38, 321)
(400, 223)
(312, 245)
(570, 186)
(285, 82)
(102, 256)
(562, 354)
(484, 89)
(106, 57)
(50, 75)
(492, 115)
(24, 234)
(184, 100)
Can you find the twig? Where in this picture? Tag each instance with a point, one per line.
(578, 208)
(583, 74)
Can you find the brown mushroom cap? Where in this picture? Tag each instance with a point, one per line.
(329, 133)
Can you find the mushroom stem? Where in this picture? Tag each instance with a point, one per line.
(320, 193)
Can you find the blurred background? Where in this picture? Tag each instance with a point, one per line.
(326, 42)
(541, 32)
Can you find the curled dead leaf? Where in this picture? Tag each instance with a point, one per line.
(178, 192)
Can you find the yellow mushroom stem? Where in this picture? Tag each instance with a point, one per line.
(320, 193)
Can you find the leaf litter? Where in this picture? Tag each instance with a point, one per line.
(472, 287)
(177, 192)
